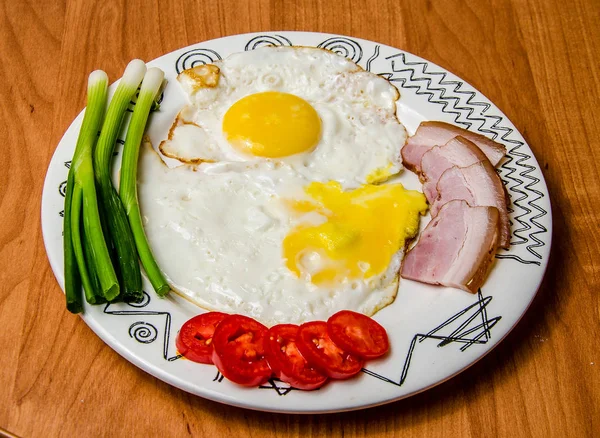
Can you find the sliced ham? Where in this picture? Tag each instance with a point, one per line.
(457, 152)
(480, 186)
(456, 248)
(430, 134)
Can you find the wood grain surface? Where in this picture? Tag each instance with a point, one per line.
(536, 59)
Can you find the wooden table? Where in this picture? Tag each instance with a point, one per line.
(536, 59)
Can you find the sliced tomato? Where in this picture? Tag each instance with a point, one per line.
(321, 352)
(287, 362)
(194, 340)
(239, 350)
(358, 334)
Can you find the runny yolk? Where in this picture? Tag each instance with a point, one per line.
(363, 229)
(272, 124)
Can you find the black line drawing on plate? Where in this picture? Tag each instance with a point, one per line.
(132, 102)
(468, 327)
(343, 46)
(281, 388)
(273, 383)
(515, 170)
(145, 331)
(471, 326)
(372, 58)
(62, 188)
(195, 57)
(145, 301)
(267, 40)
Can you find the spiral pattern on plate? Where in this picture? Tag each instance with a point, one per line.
(62, 188)
(145, 301)
(195, 57)
(267, 40)
(343, 46)
(143, 332)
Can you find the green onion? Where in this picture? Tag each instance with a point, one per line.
(97, 297)
(128, 183)
(76, 207)
(72, 278)
(116, 218)
(81, 203)
(83, 252)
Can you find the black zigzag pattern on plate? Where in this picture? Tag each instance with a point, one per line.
(281, 388)
(143, 331)
(267, 40)
(195, 57)
(515, 171)
(468, 327)
(526, 197)
(343, 46)
(274, 384)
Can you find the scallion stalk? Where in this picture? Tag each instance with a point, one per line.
(97, 298)
(72, 277)
(128, 183)
(76, 210)
(116, 218)
(82, 202)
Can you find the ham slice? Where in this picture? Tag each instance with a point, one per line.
(430, 134)
(456, 248)
(480, 186)
(457, 152)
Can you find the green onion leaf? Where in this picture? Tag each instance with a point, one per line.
(83, 199)
(116, 218)
(72, 277)
(128, 184)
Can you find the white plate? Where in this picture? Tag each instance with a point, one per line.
(435, 332)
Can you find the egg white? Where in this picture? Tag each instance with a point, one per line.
(216, 231)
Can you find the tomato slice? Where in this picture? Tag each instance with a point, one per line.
(287, 362)
(358, 334)
(321, 352)
(239, 350)
(194, 340)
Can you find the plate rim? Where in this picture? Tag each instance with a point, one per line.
(217, 396)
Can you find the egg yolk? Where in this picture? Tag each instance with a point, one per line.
(272, 124)
(380, 175)
(363, 229)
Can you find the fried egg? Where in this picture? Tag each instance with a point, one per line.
(309, 108)
(264, 240)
